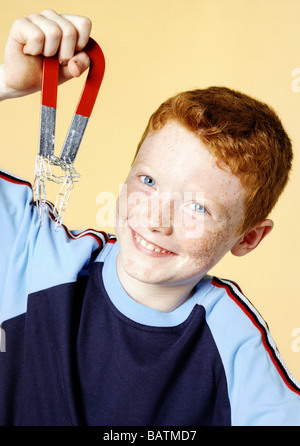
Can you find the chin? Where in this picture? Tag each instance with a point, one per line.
(144, 274)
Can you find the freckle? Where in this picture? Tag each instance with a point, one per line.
(129, 262)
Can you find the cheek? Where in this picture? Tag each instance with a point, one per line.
(127, 203)
(207, 250)
(133, 206)
(121, 208)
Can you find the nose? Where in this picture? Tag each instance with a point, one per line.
(161, 216)
(167, 230)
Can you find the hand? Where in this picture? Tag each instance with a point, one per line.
(40, 35)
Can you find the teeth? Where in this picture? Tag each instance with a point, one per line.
(149, 246)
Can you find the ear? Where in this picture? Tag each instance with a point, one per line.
(251, 239)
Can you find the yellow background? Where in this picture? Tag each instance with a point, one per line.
(154, 49)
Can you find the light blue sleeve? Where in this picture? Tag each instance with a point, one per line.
(16, 217)
(262, 391)
(34, 257)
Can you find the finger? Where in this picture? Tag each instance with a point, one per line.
(75, 67)
(78, 64)
(83, 26)
(51, 31)
(29, 36)
(69, 35)
(74, 27)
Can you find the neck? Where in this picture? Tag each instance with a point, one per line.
(161, 297)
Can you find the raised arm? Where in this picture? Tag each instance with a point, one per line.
(40, 35)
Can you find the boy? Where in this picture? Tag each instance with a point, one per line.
(134, 331)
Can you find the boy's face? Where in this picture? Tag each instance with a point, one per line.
(178, 212)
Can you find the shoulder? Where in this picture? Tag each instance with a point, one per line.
(13, 179)
(15, 195)
(35, 257)
(256, 374)
(233, 318)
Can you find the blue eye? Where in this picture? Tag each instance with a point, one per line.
(197, 207)
(147, 180)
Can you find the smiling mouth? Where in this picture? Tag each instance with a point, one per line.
(151, 247)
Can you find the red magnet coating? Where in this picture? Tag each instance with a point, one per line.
(49, 81)
(92, 84)
(94, 79)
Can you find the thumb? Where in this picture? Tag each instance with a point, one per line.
(75, 67)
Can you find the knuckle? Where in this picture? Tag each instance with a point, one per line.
(86, 22)
(69, 32)
(33, 16)
(54, 32)
(84, 25)
(49, 12)
(18, 22)
(37, 36)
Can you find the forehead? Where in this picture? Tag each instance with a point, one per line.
(173, 142)
(178, 156)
